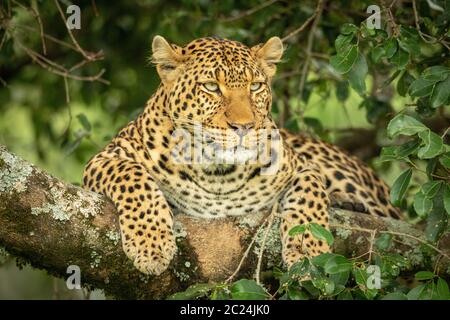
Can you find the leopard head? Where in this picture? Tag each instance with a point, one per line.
(220, 84)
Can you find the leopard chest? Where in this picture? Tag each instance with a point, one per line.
(214, 196)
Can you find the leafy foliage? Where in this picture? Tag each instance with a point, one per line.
(333, 276)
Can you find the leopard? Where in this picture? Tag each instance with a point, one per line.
(223, 86)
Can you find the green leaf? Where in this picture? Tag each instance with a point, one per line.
(406, 125)
(409, 40)
(337, 264)
(441, 94)
(388, 154)
(342, 91)
(297, 230)
(424, 275)
(343, 62)
(400, 58)
(296, 294)
(447, 198)
(395, 296)
(445, 159)
(360, 276)
(415, 293)
(442, 289)
(338, 288)
(312, 290)
(193, 292)
(400, 186)
(423, 107)
(349, 28)
(376, 108)
(322, 259)
(403, 83)
(421, 88)
(300, 268)
(321, 233)
(422, 204)
(437, 220)
(407, 148)
(431, 188)
(435, 73)
(357, 75)
(436, 224)
(340, 279)
(432, 145)
(390, 47)
(220, 294)
(245, 289)
(377, 53)
(321, 282)
(343, 43)
(84, 121)
(384, 241)
(431, 167)
(345, 295)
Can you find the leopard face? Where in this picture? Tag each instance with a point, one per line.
(220, 85)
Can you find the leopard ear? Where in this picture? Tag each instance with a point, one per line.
(166, 59)
(268, 54)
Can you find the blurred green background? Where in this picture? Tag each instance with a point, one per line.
(58, 123)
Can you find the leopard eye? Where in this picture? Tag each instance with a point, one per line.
(255, 86)
(211, 86)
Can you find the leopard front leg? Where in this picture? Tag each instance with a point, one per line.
(144, 216)
(304, 202)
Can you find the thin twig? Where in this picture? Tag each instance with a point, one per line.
(445, 132)
(87, 55)
(371, 241)
(416, 20)
(41, 28)
(58, 69)
(247, 251)
(424, 172)
(2, 42)
(263, 243)
(36, 15)
(309, 45)
(46, 36)
(390, 18)
(94, 7)
(306, 23)
(401, 234)
(249, 12)
(421, 34)
(69, 123)
(66, 87)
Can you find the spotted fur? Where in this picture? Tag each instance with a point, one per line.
(136, 172)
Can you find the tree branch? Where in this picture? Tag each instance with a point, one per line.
(52, 225)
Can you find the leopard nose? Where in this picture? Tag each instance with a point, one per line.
(241, 128)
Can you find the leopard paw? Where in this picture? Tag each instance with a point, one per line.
(149, 256)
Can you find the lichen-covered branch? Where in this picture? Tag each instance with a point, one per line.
(54, 225)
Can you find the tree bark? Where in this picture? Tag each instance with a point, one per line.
(53, 225)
